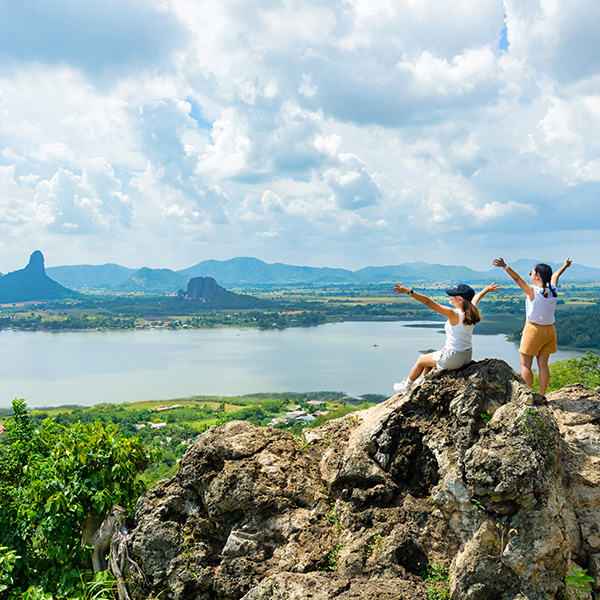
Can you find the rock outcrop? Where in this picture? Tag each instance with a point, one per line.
(206, 289)
(471, 470)
(203, 288)
(31, 283)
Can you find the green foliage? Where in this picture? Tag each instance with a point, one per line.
(437, 577)
(332, 558)
(339, 412)
(375, 545)
(579, 328)
(584, 370)
(53, 478)
(486, 417)
(8, 558)
(579, 581)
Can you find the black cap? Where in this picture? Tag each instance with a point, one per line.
(463, 290)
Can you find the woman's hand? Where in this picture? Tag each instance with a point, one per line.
(493, 287)
(400, 289)
(568, 263)
(499, 262)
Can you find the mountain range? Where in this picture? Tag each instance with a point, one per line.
(247, 271)
(35, 282)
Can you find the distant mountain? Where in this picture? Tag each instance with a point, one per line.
(247, 271)
(32, 283)
(153, 281)
(417, 271)
(90, 277)
(574, 272)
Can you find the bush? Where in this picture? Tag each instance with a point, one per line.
(51, 480)
(584, 370)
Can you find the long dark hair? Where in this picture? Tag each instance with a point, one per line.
(470, 311)
(545, 272)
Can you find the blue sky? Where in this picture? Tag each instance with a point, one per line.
(325, 133)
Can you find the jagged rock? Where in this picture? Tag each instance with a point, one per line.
(471, 470)
(202, 288)
(32, 283)
(36, 263)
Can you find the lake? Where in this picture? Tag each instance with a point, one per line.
(87, 368)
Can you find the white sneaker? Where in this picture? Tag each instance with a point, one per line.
(403, 386)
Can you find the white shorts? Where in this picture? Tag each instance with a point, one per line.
(452, 359)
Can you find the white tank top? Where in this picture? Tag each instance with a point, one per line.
(540, 310)
(458, 337)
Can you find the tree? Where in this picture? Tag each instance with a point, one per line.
(54, 481)
(584, 370)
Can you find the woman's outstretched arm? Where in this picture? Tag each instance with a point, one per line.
(558, 273)
(493, 287)
(526, 287)
(446, 311)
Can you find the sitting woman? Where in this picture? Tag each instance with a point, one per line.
(462, 315)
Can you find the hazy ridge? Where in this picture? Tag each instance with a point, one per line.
(252, 271)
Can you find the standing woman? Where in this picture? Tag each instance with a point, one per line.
(539, 334)
(462, 315)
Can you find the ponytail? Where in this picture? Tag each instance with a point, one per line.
(471, 312)
(545, 272)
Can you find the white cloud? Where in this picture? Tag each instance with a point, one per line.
(499, 210)
(89, 202)
(435, 76)
(295, 130)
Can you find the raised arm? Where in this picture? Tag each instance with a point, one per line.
(493, 287)
(526, 287)
(561, 271)
(446, 311)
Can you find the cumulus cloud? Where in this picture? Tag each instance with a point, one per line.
(351, 184)
(342, 132)
(89, 202)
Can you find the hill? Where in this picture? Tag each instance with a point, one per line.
(152, 281)
(32, 283)
(90, 277)
(248, 271)
(574, 272)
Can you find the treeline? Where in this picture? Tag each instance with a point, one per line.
(579, 328)
(162, 306)
(39, 323)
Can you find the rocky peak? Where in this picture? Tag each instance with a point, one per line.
(36, 263)
(471, 470)
(202, 288)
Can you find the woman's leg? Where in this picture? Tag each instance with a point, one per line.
(544, 372)
(424, 363)
(526, 372)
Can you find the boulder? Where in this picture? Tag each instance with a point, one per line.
(471, 470)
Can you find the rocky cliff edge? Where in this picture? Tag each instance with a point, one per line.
(471, 470)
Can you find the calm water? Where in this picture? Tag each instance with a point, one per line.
(87, 368)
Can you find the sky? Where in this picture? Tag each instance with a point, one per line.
(340, 133)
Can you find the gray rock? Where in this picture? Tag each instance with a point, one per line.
(470, 470)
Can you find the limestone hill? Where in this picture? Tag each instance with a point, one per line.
(32, 283)
(470, 470)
